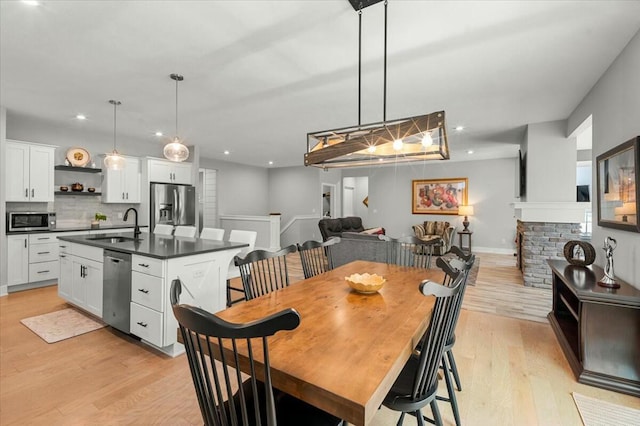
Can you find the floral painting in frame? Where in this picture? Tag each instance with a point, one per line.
(438, 196)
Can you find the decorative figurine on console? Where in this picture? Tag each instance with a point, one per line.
(609, 279)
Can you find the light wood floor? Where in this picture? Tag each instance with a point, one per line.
(513, 372)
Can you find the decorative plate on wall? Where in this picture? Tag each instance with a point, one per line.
(78, 157)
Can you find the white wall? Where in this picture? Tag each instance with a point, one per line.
(614, 103)
(295, 191)
(551, 163)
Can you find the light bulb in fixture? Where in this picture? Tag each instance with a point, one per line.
(397, 144)
(81, 117)
(371, 149)
(159, 134)
(226, 153)
(427, 140)
(459, 128)
(176, 150)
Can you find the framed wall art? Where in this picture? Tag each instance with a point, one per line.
(438, 196)
(618, 191)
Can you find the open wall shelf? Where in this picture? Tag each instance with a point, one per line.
(78, 169)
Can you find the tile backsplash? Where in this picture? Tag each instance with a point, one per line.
(77, 210)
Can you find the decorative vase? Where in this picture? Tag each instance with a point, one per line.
(95, 224)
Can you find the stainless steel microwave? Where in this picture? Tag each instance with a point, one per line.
(30, 221)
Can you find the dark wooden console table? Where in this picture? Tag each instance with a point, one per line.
(598, 328)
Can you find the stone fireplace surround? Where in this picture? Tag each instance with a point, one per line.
(542, 231)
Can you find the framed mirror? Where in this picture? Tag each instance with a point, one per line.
(618, 189)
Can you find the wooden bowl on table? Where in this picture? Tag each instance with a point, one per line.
(365, 283)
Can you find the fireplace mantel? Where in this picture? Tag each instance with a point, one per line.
(554, 212)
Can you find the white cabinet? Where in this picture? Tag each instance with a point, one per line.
(29, 172)
(147, 299)
(43, 257)
(81, 271)
(18, 259)
(122, 186)
(169, 172)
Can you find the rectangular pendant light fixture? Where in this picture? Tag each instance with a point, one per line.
(403, 140)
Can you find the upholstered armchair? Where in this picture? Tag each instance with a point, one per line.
(430, 230)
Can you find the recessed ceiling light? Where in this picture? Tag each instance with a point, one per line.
(31, 2)
(226, 152)
(459, 128)
(159, 134)
(81, 117)
(271, 163)
(470, 151)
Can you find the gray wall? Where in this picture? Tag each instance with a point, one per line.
(490, 192)
(242, 190)
(3, 236)
(614, 103)
(295, 191)
(551, 163)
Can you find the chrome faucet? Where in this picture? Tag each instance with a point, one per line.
(136, 229)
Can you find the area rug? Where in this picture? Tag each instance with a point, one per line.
(60, 325)
(595, 412)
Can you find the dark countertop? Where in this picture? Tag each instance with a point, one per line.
(75, 228)
(151, 245)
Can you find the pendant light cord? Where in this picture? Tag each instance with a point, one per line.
(384, 99)
(115, 105)
(360, 65)
(176, 108)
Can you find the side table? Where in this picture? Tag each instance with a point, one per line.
(468, 234)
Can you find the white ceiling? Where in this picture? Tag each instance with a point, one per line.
(259, 75)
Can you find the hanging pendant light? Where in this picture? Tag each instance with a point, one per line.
(114, 161)
(176, 150)
(408, 139)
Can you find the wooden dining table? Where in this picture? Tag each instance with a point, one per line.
(349, 347)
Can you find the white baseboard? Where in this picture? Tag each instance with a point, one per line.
(3, 290)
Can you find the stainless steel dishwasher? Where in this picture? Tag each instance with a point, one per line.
(116, 291)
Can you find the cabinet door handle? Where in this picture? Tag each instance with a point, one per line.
(26, 193)
(63, 246)
(144, 265)
(44, 252)
(25, 243)
(43, 272)
(143, 290)
(62, 255)
(141, 323)
(33, 192)
(123, 195)
(127, 195)
(43, 238)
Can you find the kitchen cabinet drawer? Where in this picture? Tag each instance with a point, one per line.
(146, 324)
(147, 265)
(42, 238)
(146, 290)
(43, 252)
(87, 252)
(44, 271)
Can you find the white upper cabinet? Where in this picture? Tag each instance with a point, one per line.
(169, 172)
(29, 171)
(122, 186)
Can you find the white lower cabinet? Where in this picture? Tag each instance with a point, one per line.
(17, 259)
(80, 281)
(147, 324)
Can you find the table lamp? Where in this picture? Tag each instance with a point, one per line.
(465, 211)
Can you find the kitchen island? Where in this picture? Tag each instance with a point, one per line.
(156, 260)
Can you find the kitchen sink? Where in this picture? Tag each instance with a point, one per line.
(114, 240)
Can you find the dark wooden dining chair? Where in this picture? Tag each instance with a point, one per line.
(412, 251)
(449, 366)
(252, 401)
(264, 271)
(314, 256)
(417, 385)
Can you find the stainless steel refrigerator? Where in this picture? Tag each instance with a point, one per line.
(172, 205)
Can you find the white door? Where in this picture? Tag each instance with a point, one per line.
(17, 172)
(78, 293)
(160, 171)
(112, 185)
(182, 173)
(93, 287)
(18, 259)
(131, 182)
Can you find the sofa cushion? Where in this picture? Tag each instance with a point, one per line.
(352, 224)
(432, 227)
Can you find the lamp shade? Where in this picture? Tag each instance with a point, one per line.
(114, 161)
(465, 211)
(176, 150)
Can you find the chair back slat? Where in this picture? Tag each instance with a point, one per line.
(412, 251)
(226, 396)
(434, 340)
(314, 256)
(264, 271)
